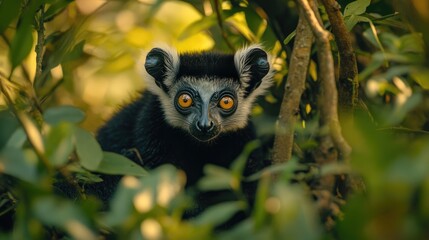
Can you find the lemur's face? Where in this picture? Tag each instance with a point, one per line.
(208, 94)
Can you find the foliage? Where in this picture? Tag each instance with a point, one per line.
(65, 64)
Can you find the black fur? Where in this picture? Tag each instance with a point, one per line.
(141, 126)
(208, 64)
(140, 130)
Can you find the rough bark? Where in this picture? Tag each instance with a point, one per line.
(295, 85)
(348, 82)
(329, 93)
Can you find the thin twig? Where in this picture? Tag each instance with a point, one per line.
(40, 43)
(220, 23)
(295, 86)
(51, 91)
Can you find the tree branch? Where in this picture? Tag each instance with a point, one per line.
(329, 93)
(348, 81)
(295, 85)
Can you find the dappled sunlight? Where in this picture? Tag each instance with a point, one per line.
(151, 229)
(143, 201)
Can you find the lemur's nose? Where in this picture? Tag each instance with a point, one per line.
(205, 126)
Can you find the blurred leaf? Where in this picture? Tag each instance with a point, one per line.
(75, 53)
(21, 44)
(8, 124)
(412, 43)
(287, 169)
(18, 163)
(139, 37)
(253, 20)
(356, 8)
(56, 8)
(59, 114)
(198, 26)
(293, 213)
(17, 139)
(376, 62)
(351, 21)
(373, 30)
(205, 23)
(119, 64)
(237, 167)
(335, 169)
(59, 143)
(263, 190)
(121, 205)
(219, 213)
(63, 214)
(391, 20)
(161, 182)
(117, 164)
(88, 149)
(421, 76)
(400, 112)
(357, 219)
(245, 230)
(63, 45)
(215, 178)
(9, 10)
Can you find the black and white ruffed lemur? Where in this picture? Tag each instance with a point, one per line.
(195, 111)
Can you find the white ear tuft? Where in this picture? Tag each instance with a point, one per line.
(254, 68)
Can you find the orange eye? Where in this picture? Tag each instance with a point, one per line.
(226, 103)
(185, 100)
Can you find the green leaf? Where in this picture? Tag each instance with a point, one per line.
(351, 21)
(421, 76)
(75, 53)
(121, 206)
(412, 43)
(116, 164)
(63, 214)
(237, 167)
(19, 163)
(219, 213)
(373, 30)
(21, 44)
(204, 24)
(88, 149)
(8, 125)
(356, 8)
(9, 10)
(59, 114)
(253, 20)
(56, 8)
(259, 213)
(289, 37)
(59, 143)
(285, 169)
(215, 178)
(198, 26)
(17, 139)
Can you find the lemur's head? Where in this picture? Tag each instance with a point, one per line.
(205, 93)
